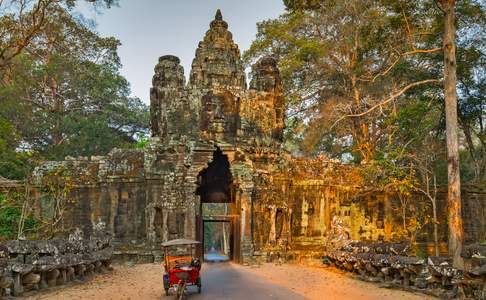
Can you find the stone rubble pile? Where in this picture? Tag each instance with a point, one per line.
(35, 265)
(389, 264)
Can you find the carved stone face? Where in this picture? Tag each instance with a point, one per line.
(265, 75)
(168, 72)
(217, 62)
(219, 114)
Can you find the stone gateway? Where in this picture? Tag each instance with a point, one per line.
(217, 139)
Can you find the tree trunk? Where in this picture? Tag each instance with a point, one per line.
(450, 93)
(361, 128)
(433, 199)
(404, 217)
(436, 235)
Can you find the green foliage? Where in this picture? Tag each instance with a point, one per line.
(12, 162)
(213, 235)
(62, 94)
(393, 175)
(9, 221)
(302, 4)
(472, 87)
(142, 142)
(10, 214)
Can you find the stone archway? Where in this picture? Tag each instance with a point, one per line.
(215, 181)
(216, 190)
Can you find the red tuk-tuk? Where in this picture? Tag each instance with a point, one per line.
(181, 268)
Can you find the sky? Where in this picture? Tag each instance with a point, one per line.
(148, 29)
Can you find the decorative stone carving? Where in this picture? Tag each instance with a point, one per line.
(217, 62)
(33, 265)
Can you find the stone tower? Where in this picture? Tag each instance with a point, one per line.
(216, 105)
(217, 62)
(166, 95)
(205, 134)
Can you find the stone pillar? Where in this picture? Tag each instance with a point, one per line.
(191, 212)
(165, 225)
(18, 289)
(289, 226)
(305, 217)
(150, 216)
(113, 209)
(272, 238)
(246, 243)
(328, 196)
(43, 280)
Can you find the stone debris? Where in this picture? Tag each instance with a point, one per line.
(35, 265)
(475, 250)
(393, 264)
(379, 262)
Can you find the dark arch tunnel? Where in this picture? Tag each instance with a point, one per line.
(215, 182)
(215, 186)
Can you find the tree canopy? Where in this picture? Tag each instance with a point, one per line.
(61, 91)
(363, 78)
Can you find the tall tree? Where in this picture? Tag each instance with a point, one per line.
(63, 92)
(452, 133)
(344, 65)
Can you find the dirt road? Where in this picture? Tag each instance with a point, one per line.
(230, 281)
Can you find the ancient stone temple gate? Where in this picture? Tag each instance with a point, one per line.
(210, 137)
(205, 135)
(217, 140)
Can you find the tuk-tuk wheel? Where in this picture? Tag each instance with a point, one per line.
(167, 292)
(199, 286)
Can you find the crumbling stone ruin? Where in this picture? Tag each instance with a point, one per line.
(217, 139)
(391, 265)
(396, 265)
(35, 265)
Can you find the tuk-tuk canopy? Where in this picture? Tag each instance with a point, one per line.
(179, 242)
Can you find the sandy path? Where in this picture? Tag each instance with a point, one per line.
(322, 283)
(230, 281)
(138, 282)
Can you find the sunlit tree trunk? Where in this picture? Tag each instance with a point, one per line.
(450, 93)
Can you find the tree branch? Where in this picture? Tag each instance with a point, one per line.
(415, 51)
(389, 99)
